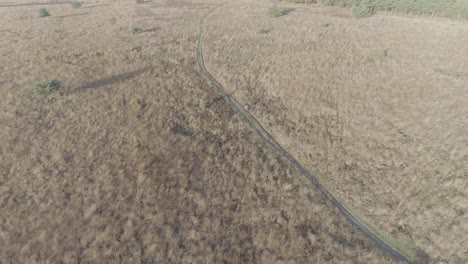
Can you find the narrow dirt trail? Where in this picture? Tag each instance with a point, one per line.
(252, 122)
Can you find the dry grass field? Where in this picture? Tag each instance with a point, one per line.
(126, 166)
(140, 160)
(377, 108)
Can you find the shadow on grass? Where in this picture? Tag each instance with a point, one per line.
(38, 4)
(111, 80)
(72, 15)
(286, 11)
(214, 101)
(94, 6)
(151, 29)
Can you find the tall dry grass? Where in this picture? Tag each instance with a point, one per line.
(457, 9)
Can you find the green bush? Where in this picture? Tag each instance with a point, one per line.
(49, 89)
(139, 1)
(76, 4)
(202, 104)
(43, 12)
(264, 30)
(275, 11)
(136, 30)
(182, 130)
(381, 54)
(362, 10)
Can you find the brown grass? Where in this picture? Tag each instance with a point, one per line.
(100, 175)
(367, 105)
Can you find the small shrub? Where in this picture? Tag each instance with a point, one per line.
(49, 89)
(275, 11)
(324, 24)
(264, 30)
(363, 10)
(378, 56)
(182, 130)
(136, 30)
(202, 104)
(139, 1)
(381, 54)
(76, 4)
(43, 12)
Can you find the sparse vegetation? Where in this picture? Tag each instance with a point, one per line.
(136, 30)
(381, 54)
(158, 152)
(457, 9)
(48, 90)
(264, 30)
(324, 24)
(202, 104)
(76, 4)
(378, 56)
(362, 10)
(276, 11)
(182, 130)
(43, 12)
(447, 8)
(139, 1)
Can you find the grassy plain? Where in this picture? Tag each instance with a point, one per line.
(138, 159)
(375, 107)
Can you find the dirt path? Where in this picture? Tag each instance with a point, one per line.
(376, 108)
(250, 120)
(126, 167)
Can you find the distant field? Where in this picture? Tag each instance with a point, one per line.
(457, 9)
